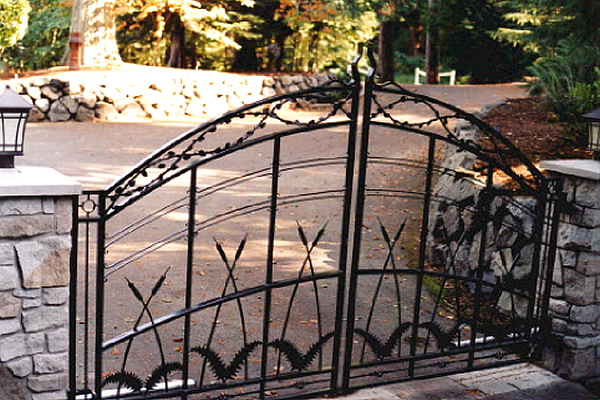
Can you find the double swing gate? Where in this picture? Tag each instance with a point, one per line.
(276, 253)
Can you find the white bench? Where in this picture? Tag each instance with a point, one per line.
(451, 75)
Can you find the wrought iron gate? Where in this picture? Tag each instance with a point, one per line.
(236, 266)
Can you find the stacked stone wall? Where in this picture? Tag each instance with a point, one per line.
(35, 245)
(573, 350)
(103, 97)
(575, 303)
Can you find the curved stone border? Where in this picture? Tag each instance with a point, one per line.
(197, 94)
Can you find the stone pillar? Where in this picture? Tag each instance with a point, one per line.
(35, 247)
(575, 302)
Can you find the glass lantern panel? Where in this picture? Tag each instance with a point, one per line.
(594, 136)
(13, 128)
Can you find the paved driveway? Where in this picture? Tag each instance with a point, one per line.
(98, 153)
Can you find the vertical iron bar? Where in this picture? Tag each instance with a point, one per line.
(358, 215)
(73, 265)
(269, 270)
(346, 216)
(485, 210)
(422, 253)
(553, 198)
(189, 277)
(537, 235)
(86, 307)
(99, 321)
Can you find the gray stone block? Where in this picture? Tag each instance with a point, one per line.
(21, 344)
(20, 367)
(64, 215)
(31, 303)
(70, 104)
(45, 317)
(55, 296)
(26, 226)
(579, 289)
(56, 395)
(48, 382)
(58, 340)
(50, 363)
(20, 206)
(585, 314)
(48, 205)
(8, 326)
(9, 277)
(43, 105)
(28, 293)
(58, 112)
(9, 306)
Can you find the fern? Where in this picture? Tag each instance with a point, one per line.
(124, 379)
(217, 365)
(296, 358)
(445, 339)
(380, 349)
(161, 373)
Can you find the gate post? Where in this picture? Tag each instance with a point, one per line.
(36, 207)
(574, 352)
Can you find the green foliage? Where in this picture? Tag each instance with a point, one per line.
(468, 47)
(46, 38)
(406, 64)
(13, 22)
(324, 33)
(570, 83)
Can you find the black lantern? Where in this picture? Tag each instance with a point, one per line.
(593, 120)
(14, 111)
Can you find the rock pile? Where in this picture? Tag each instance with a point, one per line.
(466, 214)
(198, 94)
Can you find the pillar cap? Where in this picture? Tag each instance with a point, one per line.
(587, 169)
(36, 181)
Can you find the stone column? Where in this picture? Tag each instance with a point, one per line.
(35, 247)
(575, 302)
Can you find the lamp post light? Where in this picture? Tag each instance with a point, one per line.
(593, 120)
(14, 111)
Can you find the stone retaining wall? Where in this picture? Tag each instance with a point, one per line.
(574, 349)
(197, 94)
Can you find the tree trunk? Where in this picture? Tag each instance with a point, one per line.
(245, 59)
(386, 64)
(94, 21)
(177, 50)
(432, 64)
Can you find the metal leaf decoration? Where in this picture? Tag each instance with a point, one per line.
(378, 347)
(222, 371)
(296, 358)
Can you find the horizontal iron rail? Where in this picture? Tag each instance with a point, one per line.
(215, 302)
